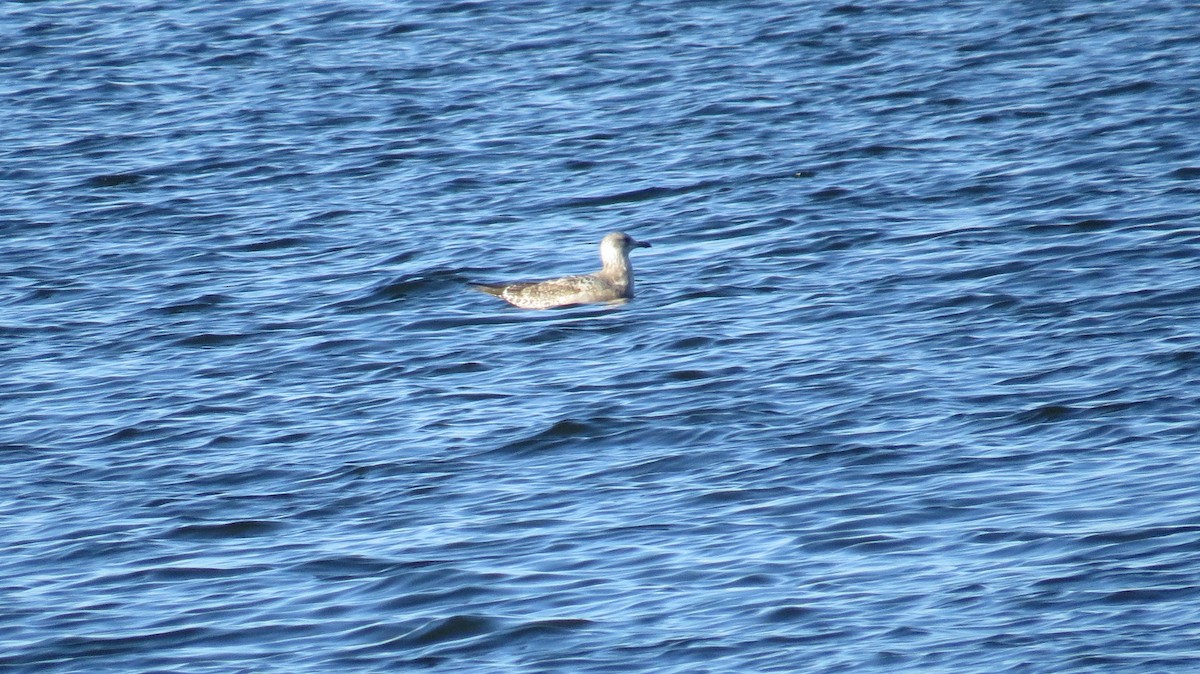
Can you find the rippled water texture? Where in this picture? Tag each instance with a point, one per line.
(911, 382)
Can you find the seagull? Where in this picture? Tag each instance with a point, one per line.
(613, 283)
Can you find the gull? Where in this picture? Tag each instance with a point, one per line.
(613, 283)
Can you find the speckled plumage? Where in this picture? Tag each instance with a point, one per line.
(614, 281)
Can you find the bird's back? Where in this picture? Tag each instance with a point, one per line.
(557, 292)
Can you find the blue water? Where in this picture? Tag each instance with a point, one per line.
(911, 382)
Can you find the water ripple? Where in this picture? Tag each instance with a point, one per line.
(909, 384)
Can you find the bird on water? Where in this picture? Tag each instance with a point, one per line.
(613, 283)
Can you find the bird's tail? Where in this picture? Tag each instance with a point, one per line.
(496, 290)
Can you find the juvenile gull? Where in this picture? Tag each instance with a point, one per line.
(613, 282)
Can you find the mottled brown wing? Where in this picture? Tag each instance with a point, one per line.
(556, 292)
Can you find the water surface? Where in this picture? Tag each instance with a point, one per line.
(910, 383)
